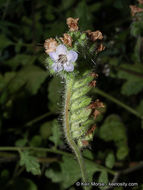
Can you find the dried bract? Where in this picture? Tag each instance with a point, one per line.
(92, 83)
(96, 104)
(91, 130)
(95, 75)
(67, 40)
(50, 45)
(72, 23)
(135, 9)
(101, 47)
(96, 113)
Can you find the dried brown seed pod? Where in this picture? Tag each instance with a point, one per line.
(50, 45)
(135, 9)
(67, 39)
(72, 23)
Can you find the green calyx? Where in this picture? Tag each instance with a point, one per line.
(79, 115)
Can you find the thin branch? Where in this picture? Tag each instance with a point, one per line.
(137, 74)
(132, 169)
(37, 119)
(116, 101)
(98, 166)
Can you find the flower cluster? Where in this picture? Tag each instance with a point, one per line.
(62, 51)
(63, 59)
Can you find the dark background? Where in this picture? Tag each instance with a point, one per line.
(31, 99)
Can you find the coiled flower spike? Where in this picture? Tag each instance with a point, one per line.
(70, 58)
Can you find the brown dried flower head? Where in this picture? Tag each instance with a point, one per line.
(72, 23)
(88, 32)
(50, 45)
(97, 35)
(135, 9)
(140, 1)
(67, 40)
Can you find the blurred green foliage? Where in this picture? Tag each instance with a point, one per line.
(31, 101)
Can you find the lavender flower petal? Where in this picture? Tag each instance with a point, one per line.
(61, 49)
(57, 67)
(53, 56)
(69, 67)
(72, 56)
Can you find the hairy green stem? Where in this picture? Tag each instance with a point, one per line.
(128, 108)
(71, 142)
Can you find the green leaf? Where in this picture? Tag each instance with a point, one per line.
(70, 172)
(114, 130)
(23, 184)
(134, 82)
(20, 59)
(82, 12)
(30, 162)
(30, 76)
(45, 130)
(21, 142)
(66, 4)
(110, 160)
(139, 108)
(36, 141)
(122, 151)
(132, 87)
(54, 175)
(88, 154)
(4, 42)
(55, 94)
(4, 84)
(56, 133)
(103, 178)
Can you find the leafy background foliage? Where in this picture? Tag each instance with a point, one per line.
(31, 100)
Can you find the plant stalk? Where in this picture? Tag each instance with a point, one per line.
(71, 142)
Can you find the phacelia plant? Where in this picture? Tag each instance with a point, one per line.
(73, 58)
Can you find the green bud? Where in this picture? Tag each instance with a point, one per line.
(83, 36)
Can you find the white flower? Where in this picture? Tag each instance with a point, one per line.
(63, 59)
